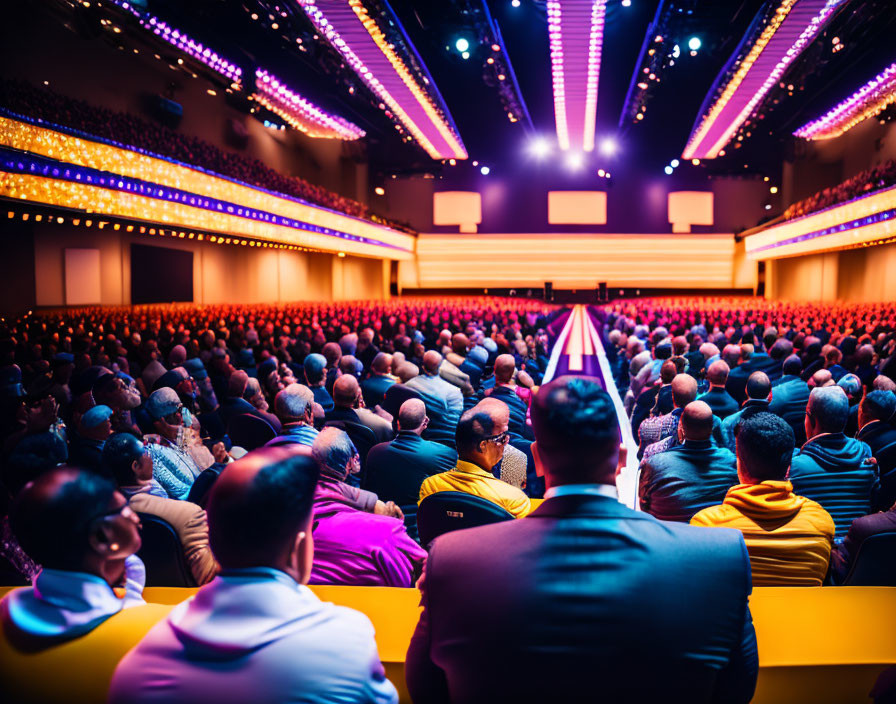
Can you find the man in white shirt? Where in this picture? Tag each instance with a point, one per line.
(256, 633)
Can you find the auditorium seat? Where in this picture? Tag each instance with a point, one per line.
(816, 644)
(874, 566)
(250, 432)
(446, 511)
(163, 554)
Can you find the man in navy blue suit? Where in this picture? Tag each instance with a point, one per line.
(584, 599)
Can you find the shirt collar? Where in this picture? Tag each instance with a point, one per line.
(470, 468)
(607, 490)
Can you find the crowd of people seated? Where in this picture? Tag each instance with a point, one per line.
(863, 183)
(292, 445)
(133, 131)
(777, 419)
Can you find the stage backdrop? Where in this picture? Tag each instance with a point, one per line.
(160, 274)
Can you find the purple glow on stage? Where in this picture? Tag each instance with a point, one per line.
(357, 37)
(868, 101)
(575, 32)
(781, 42)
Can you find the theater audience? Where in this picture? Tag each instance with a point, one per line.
(759, 390)
(358, 540)
(482, 433)
(716, 397)
(256, 633)
(790, 395)
(294, 408)
(602, 576)
(86, 603)
(348, 406)
(126, 459)
(315, 367)
(788, 536)
(374, 387)
(506, 390)
(173, 466)
(87, 444)
(444, 402)
(830, 468)
(876, 411)
(659, 433)
(675, 484)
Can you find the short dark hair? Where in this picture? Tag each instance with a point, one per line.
(53, 528)
(472, 428)
(119, 454)
(32, 456)
(764, 446)
(793, 365)
(251, 526)
(758, 385)
(575, 422)
(880, 405)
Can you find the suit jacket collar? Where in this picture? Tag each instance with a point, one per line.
(585, 505)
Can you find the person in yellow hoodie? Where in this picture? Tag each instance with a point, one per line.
(482, 434)
(788, 537)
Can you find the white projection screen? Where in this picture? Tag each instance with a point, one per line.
(463, 208)
(82, 277)
(577, 207)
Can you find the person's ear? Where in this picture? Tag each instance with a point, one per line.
(298, 564)
(135, 466)
(101, 540)
(536, 458)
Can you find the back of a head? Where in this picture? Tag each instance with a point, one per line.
(345, 391)
(291, 403)
(474, 425)
(51, 516)
(331, 352)
(731, 354)
(679, 345)
(668, 372)
(821, 378)
(883, 383)
(120, 452)
(504, 368)
(717, 374)
(746, 351)
(696, 421)
(828, 408)
(576, 431)
(792, 365)
(684, 390)
(315, 367)
(851, 385)
(333, 448)
(432, 360)
(764, 447)
(879, 405)
(258, 505)
(758, 386)
(382, 363)
(411, 414)
(32, 456)
(781, 349)
(407, 371)
(237, 383)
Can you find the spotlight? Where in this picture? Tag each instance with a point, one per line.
(462, 45)
(574, 161)
(695, 162)
(514, 3)
(668, 170)
(465, 55)
(608, 146)
(379, 190)
(601, 173)
(694, 43)
(540, 147)
(773, 189)
(674, 163)
(626, 3)
(484, 171)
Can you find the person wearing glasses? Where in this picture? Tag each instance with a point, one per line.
(173, 466)
(86, 602)
(481, 436)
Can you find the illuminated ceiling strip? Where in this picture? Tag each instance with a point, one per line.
(179, 39)
(356, 36)
(299, 112)
(15, 162)
(846, 225)
(575, 34)
(83, 150)
(870, 100)
(795, 24)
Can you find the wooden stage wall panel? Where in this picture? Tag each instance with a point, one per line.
(571, 261)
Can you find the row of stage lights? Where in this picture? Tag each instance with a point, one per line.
(141, 228)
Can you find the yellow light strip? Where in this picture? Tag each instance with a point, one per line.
(96, 200)
(124, 162)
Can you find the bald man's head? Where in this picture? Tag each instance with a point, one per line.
(505, 366)
(696, 421)
(717, 374)
(411, 415)
(460, 343)
(346, 391)
(407, 371)
(822, 377)
(259, 504)
(668, 372)
(432, 360)
(684, 390)
(758, 386)
(382, 363)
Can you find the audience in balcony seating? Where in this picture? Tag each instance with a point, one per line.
(481, 435)
(256, 633)
(788, 536)
(129, 463)
(863, 183)
(358, 540)
(835, 470)
(677, 483)
(614, 588)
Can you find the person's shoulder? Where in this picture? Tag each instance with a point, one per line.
(818, 516)
(713, 516)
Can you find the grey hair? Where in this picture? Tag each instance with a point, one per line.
(293, 402)
(829, 408)
(333, 448)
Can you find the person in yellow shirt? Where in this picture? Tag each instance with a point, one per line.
(482, 434)
(788, 537)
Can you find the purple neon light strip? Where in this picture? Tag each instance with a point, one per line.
(120, 145)
(13, 161)
(353, 37)
(783, 47)
(881, 90)
(882, 216)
